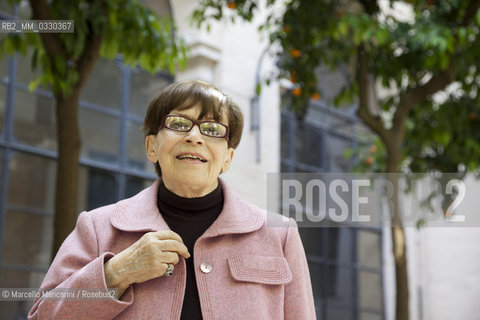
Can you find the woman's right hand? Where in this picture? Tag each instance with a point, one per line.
(146, 259)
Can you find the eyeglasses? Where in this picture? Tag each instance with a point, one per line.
(183, 124)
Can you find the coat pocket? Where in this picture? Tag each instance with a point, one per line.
(259, 269)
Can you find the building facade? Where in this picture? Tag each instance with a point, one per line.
(351, 268)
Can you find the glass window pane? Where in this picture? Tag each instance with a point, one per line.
(4, 63)
(340, 245)
(339, 314)
(369, 249)
(369, 290)
(102, 187)
(25, 73)
(135, 185)
(1, 162)
(3, 103)
(34, 120)
(136, 156)
(100, 135)
(339, 287)
(284, 167)
(309, 145)
(6, 7)
(104, 86)
(82, 188)
(336, 147)
(318, 310)
(27, 239)
(144, 87)
(370, 316)
(31, 182)
(18, 279)
(312, 239)
(90, 181)
(4, 67)
(316, 278)
(284, 135)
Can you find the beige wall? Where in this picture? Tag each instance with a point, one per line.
(227, 56)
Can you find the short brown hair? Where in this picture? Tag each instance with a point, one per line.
(187, 94)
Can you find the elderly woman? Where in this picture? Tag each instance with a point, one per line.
(188, 247)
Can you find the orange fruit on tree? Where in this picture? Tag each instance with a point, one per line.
(297, 92)
(372, 149)
(231, 5)
(369, 161)
(315, 96)
(295, 53)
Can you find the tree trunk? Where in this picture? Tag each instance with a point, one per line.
(398, 235)
(68, 137)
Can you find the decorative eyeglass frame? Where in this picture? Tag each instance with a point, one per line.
(195, 123)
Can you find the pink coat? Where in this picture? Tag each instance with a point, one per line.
(254, 270)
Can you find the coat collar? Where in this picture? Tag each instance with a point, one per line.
(140, 214)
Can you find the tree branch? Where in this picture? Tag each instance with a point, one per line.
(88, 58)
(373, 122)
(51, 41)
(415, 95)
(470, 12)
(91, 52)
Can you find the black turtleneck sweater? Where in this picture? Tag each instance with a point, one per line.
(190, 218)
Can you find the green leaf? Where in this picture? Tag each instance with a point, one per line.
(34, 84)
(35, 58)
(60, 65)
(258, 89)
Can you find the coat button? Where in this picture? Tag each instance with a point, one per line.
(205, 267)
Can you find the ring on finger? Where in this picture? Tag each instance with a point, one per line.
(169, 271)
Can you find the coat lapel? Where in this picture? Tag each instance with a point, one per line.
(237, 216)
(140, 214)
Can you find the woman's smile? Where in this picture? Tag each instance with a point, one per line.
(191, 157)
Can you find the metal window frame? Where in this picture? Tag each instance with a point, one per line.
(9, 146)
(293, 163)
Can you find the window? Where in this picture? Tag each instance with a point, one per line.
(143, 89)
(34, 120)
(24, 72)
(100, 136)
(345, 263)
(104, 86)
(113, 161)
(3, 102)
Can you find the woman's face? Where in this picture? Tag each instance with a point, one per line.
(184, 176)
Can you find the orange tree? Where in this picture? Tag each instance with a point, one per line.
(436, 48)
(103, 28)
